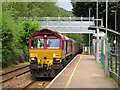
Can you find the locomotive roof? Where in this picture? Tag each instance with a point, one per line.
(47, 31)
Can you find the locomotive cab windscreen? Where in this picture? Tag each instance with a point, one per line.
(37, 43)
(53, 43)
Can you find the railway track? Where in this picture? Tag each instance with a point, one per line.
(27, 86)
(37, 84)
(10, 78)
(14, 73)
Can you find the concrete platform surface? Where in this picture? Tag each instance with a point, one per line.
(81, 72)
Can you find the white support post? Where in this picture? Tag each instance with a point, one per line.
(89, 43)
(97, 51)
(106, 59)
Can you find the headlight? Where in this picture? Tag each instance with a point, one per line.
(32, 59)
(53, 55)
(56, 59)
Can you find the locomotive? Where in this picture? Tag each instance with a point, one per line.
(49, 52)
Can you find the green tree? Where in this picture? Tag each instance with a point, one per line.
(7, 38)
(65, 13)
(29, 27)
(111, 42)
(31, 9)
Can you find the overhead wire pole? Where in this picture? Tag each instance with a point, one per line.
(97, 51)
(115, 28)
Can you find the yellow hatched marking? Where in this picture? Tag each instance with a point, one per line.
(73, 73)
(96, 75)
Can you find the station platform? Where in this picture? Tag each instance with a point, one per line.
(81, 72)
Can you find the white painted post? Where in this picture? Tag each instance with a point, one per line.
(97, 51)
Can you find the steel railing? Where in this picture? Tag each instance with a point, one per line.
(114, 66)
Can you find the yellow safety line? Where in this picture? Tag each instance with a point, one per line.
(60, 73)
(72, 73)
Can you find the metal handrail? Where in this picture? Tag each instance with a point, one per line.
(114, 66)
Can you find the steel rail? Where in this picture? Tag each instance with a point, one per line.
(14, 70)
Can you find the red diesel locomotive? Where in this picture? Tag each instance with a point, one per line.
(49, 52)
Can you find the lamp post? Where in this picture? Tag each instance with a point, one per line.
(106, 16)
(89, 33)
(114, 11)
(89, 13)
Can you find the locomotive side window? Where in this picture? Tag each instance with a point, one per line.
(71, 46)
(53, 43)
(37, 43)
(62, 44)
(66, 47)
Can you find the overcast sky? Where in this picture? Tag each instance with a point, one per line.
(65, 4)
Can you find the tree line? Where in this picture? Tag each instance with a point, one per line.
(15, 32)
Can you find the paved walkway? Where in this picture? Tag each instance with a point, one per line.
(82, 72)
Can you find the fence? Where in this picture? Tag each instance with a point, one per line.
(114, 66)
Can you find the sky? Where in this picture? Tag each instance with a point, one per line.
(65, 4)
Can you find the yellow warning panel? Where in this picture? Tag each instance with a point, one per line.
(103, 46)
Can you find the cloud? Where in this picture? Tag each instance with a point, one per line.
(65, 4)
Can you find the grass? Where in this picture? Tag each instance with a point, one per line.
(114, 82)
(101, 66)
(117, 68)
(108, 77)
(15, 65)
(23, 63)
